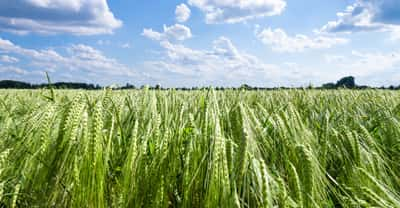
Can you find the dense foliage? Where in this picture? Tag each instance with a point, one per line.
(10, 84)
(345, 82)
(211, 148)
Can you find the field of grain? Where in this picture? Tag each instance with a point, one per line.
(208, 148)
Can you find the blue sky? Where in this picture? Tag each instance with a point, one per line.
(201, 42)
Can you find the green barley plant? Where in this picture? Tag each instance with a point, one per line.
(205, 148)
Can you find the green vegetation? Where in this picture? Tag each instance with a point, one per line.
(345, 82)
(148, 148)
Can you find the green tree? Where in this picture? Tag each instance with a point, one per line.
(347, 82)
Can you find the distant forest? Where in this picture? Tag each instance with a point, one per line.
(346, 82)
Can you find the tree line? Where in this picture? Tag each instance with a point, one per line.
(345, 82)
(11, 84)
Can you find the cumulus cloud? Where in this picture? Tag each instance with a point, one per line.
(373, 63)
(182, 13)
(78, 17)
(280, 41)
(330, 58)
(370, 68)
(7, 46)
(12, 70)
(395, 34)
(8, 59)
(367, 15)
(234, 11)
(175, 32)
(222, 65)
(78, 61)
(151, 34)
(365, 64)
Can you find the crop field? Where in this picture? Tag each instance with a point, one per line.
(206, 148)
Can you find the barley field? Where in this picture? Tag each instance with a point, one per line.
(148, 148)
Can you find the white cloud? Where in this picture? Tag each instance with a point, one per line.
(44, 55)
(8, 59)
(330, 58)
(151, 34)
(108, 43)
(366, 64)
(182, 13)
(280, 41)
(369, 68)
(234, 11)
(367, 15)
(80, 61)
(373, 63)
(13, 70)
(395, 34)
(78, 17)
(175, 32)
(103, 42)
(126, 45)
(223, 65)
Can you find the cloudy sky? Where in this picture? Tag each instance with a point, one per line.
(201, 42)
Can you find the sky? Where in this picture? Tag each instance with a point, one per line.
(176, 43)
